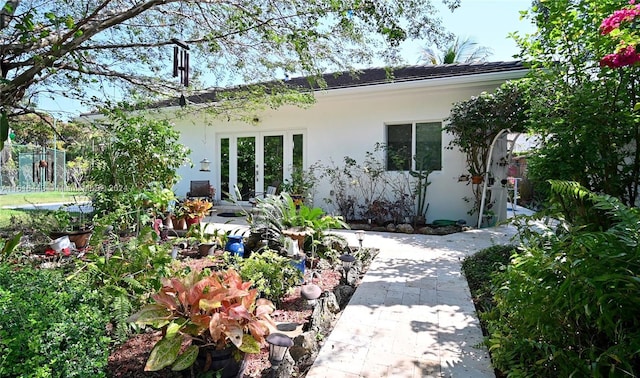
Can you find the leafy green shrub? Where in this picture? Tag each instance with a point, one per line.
(568, 304)
(125, 272)
(139, 151)
(272, 274)
(50, 326)
(478, 269)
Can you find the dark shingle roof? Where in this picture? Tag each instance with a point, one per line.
(373, 76)
(376, 76)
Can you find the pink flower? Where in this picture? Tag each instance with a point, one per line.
(624, 57)
(618, 17)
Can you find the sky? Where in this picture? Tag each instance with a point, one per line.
(487, 22)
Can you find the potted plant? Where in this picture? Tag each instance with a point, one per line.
(277, 216)
(205, 314)
(195, 209)
(156, 200)
(300, 184)
(207, 241)
(63, 223)
(179, 214)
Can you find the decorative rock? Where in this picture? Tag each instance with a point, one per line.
(405, 228)
(304, 346)
(391, 227)
(323, 312)
(352, 275)
(331, 303)
(343, 294)
(444, 230)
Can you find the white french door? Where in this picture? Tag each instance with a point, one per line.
(253, 161)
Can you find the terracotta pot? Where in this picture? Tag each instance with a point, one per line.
(206, 249)
(476, 179)
(191, 221)
(80, 238)
(180, 224)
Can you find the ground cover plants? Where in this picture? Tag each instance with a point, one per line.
(111, 280)
(565, 303)
(51, 325)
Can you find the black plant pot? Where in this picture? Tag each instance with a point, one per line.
(206, 249)
(229, 362)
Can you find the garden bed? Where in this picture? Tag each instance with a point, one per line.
(128, 360)
(407, 228)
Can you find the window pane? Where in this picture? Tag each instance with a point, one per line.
(429, 145)
(398, 147)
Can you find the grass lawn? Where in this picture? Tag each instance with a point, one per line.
(9, 217)
(32, 198)
(27, 198)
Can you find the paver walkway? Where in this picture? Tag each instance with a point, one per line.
(412, 315)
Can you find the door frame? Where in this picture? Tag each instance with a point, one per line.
(287, 159)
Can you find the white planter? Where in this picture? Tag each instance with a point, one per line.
(60, 243)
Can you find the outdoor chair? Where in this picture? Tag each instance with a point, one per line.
(271, 190)
(201, 189)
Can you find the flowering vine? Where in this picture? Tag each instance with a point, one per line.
(622, 25)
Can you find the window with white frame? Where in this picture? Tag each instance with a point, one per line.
(416, 145)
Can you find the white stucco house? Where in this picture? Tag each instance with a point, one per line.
(349, 117)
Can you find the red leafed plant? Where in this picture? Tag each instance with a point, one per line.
(204, 309)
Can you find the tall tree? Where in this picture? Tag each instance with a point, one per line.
(459, 51)
(583, 111)
(75, 46)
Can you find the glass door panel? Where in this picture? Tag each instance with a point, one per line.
(224, 168)
(256, 161)
(273, 161)
(246, 167)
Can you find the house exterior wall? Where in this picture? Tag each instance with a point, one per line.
(349, 122)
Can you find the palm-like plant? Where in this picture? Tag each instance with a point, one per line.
(459, 51)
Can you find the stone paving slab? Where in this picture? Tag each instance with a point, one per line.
(412, 314)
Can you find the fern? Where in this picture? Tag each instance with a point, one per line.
(567, 305)
(121, 309)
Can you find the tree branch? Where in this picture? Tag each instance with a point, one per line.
(7, 12)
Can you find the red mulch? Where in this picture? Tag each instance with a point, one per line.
(128, 360)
